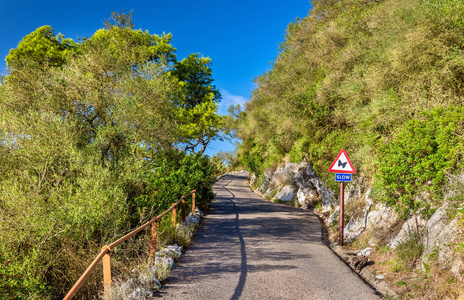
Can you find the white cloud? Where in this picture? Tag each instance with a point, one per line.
(228, 99)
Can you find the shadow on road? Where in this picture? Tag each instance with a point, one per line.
(243, 264)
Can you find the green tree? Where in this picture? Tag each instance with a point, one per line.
(42, 47)
(75, 142)
(197, 107)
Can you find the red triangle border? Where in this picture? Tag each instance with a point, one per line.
(349, 162)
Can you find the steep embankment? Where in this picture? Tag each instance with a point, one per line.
(383, 80)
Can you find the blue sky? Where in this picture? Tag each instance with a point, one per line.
(241, 36)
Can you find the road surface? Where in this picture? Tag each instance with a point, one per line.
(250, 248)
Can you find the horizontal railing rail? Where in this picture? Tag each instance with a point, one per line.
(105, 253)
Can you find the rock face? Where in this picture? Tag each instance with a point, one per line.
(313, 188)
(440, 242)
(294, 182)
(287, 193)
(413, 226)
(380, 220)
(358, 224)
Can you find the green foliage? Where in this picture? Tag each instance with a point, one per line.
(15, 286)
(43, 47)
(410, 249)
(396, 265)
(87, 135)
(402, 283)
(176, 174)
(197, 108)
(380, 79)
(418, 157)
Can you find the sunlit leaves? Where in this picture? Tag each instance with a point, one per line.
(41, 46)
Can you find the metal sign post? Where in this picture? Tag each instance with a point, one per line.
(341, 220)
(343, 168)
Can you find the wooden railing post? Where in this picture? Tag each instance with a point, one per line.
(183, 208)
(107, 272)
(154, 235)
(173, 218)
(193, 201)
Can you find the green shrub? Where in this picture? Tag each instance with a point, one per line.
(174, 174)
(13, 285)
(417, 158)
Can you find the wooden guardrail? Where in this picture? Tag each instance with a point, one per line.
(105, 253)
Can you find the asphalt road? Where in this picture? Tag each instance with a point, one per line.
(250, 248)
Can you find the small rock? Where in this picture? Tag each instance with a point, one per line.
(365, 252)
(163, 261)
(149, 293)
(380, 277)
(138, 294)
(333, 218)
(157, 282)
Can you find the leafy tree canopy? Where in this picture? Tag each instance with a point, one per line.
(197, 108)
(42, 46)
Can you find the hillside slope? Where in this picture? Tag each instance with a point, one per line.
(384, 81)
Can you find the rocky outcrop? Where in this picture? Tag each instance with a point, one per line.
(293, 182)
(311, 188)
(440, 241)
(287, 193)
(415, 225)
(380, 220)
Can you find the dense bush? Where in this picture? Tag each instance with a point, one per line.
(413, 165)
(175, 174)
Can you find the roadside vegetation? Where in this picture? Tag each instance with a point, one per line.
(383, 80)
(96, 137)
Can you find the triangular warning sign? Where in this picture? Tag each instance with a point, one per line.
(342, 164)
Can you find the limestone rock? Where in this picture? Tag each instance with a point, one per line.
(413, 225)
(334, 217)
(380, 220)
(440, 239)
(365, 252)
(307, 197)
(306, 178)
(358, 224)
(382, 216)
(380, 277)
(253, 179)
(287, 193)
(286, 175)
(138, 294)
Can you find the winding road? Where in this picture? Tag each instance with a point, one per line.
(250, 248)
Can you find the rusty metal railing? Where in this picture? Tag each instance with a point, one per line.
(105, 254)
